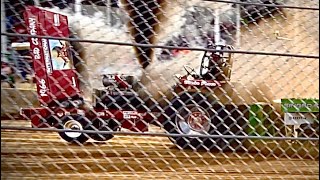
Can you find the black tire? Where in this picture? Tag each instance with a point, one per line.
(99, 124)
(77, 122)
(197, 104)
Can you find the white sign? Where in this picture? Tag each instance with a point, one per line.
(298, 118)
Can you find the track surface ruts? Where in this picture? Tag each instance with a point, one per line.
(43, 155)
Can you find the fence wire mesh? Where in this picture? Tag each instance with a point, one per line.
(156, 89)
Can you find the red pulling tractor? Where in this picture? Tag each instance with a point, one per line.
(199, 104)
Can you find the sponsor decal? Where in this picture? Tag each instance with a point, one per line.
(47, 60)
(200, 83)
(56, 20)
(43, 88)
(104, 113)
(189, 82)
(100, 113)
(130, 115)
(206, 83)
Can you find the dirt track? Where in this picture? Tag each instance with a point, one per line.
(45, 155)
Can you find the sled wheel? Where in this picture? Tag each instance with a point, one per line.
(190, 117)
(76, 122)
(99, 124)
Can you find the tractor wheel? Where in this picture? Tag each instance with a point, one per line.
(99, 124)
(75, 122)
(190, 115)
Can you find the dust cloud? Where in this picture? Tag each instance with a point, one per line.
(254, 78)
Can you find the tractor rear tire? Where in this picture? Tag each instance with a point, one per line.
(190, 114)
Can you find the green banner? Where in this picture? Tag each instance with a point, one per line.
(300, 105)
(259, 120)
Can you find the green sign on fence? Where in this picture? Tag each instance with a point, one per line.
(300, 105)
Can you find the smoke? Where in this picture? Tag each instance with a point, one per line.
(158, 27)
(155, 77)
(148, 23)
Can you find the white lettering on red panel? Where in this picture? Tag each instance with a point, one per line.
(46, 55)
(100, 114)
(201, 83)
(43, 88)
(130, 115)
(33, 31)
(205, 83)
(189, 82)
(56, 20)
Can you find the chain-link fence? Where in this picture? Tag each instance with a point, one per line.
(156, 89)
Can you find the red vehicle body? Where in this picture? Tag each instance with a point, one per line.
(56, 86)
(53, 83)
(62, 101)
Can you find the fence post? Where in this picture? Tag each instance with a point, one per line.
(4, 39)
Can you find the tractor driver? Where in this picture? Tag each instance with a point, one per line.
(215, 62)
